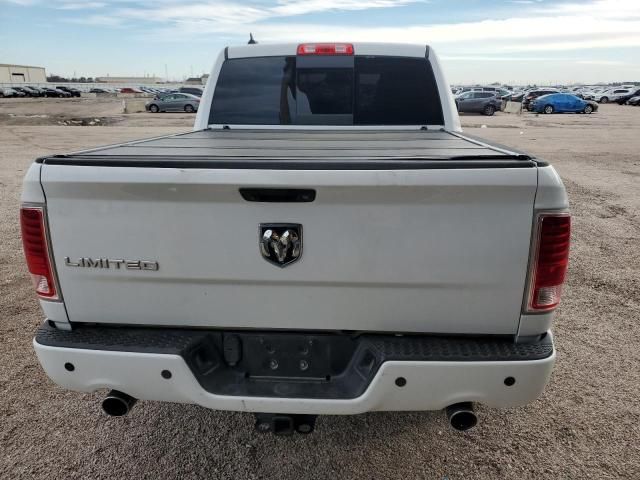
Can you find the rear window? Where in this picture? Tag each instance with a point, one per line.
(367, 90)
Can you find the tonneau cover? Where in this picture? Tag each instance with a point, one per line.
(393, 240)
(225, 148)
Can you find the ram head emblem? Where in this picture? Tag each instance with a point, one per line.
(280, 243)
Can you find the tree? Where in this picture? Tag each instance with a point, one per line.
(56, 78)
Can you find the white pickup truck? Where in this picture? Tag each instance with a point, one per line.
(326, 241)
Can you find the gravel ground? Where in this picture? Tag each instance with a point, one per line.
(586, 425)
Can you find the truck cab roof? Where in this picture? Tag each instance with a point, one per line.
(359, 48)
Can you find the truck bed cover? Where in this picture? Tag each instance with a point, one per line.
(303, 149)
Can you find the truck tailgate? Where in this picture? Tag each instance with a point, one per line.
(441, 250)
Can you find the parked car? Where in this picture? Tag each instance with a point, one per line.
(191, 90)
(533, 94)
(174, 102)
(22, 90)
(130, 90)
(19, 90)
(65, 94)
(149, 90)
(562, 103)
(38, 91)
(240, 289)
(621, 100)
(100, 90)
(55, 93)
(612, 95)
(596, 94)
(486, 103)
(74, 92)
(499, 91)
(35, 91)
(25, 91)
(634, 100)
(589, 93)
(585, 92)
(10, 92)
(514, 97)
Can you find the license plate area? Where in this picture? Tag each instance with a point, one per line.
(282, 364)
(293, 356)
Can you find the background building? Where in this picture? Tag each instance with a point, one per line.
(129, 80)
(197, 80)
(22, 74)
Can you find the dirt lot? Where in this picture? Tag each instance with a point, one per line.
(586, 425)
(83, 112)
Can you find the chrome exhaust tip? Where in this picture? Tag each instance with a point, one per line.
(461, 416)
(118, 404)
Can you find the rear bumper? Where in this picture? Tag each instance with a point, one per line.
(432, 383)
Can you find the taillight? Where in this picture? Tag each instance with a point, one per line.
(36, 251)
(325, 49)
(550, 261)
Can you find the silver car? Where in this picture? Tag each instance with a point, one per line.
(174, 102)
(10, 92)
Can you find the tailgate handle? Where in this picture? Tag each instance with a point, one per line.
(278, 195)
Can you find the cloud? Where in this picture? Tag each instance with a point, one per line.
(510, 35)
(622, 9)
(595, 24)
(23, 3)
(81, 5)
(498, 58)
(600, 62)
(297, 7)
(627, 41)
(227, 11)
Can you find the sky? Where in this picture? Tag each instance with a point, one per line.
(478, 41)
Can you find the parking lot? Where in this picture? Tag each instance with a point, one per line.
(585, 425)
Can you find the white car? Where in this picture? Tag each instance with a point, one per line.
(326, 241)
(611, 95)
(499, 91)
(588, 93)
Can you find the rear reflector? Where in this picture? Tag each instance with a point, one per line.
(36, 251)
(548, 270)
(325, 49)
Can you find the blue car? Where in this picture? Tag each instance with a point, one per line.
(563, 103)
